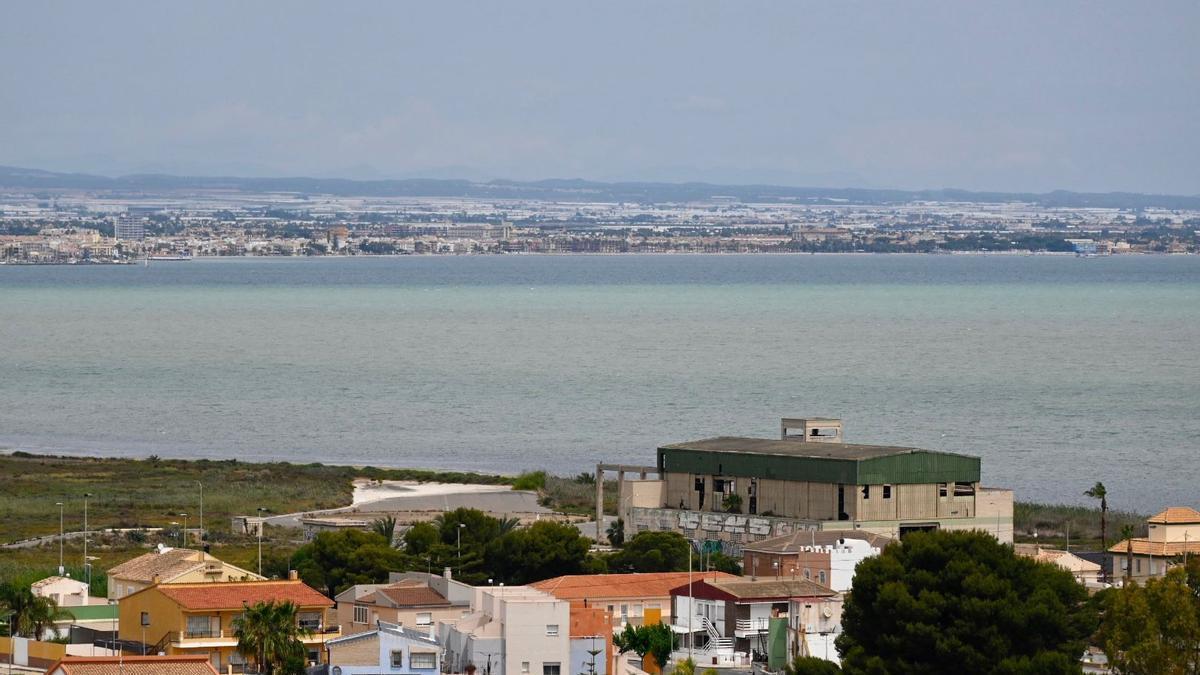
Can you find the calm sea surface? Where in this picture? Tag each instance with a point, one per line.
(1057, 371)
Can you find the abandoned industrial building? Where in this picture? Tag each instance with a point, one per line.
(735, 490)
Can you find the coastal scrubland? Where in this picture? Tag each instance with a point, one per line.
(151, 495)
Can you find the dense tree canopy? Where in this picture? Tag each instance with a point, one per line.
(334, 561)
(651, 552)
(961, 602)
(1153, 629)
(542, 550)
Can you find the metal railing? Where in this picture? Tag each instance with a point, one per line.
(759, 623)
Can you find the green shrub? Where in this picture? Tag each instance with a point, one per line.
(530, 480)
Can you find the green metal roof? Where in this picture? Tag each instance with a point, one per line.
(92, 612)
(816, 462)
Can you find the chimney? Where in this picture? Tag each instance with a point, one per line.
(293, 575)
(156, 580)
(447, 573)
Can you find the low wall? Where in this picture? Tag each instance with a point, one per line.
(30, 653)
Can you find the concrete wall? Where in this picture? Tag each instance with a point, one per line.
(787, 499)
(526, 638)
(30, 653)
(1184, 532)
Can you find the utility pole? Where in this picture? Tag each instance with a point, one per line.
(183, 538)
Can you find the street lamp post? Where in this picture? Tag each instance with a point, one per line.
(458, 536)
(115, 643)
(11, 616)
(86, 536)
(87, 567)
(261, 523)
(61, 569)
(201, 513)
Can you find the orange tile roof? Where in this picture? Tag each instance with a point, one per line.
(410, 593)
(636, 585)
(133, 665)
(1143, 546)
(166, 564)
(1175, 515)
(234, 594)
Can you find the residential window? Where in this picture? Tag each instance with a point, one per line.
(887, 491)
(424, 618)
(964, 489)
(310, 620)
(199, 627)
(866, 492)
(942, 489)
(552, 628)
(422, 661)
(1137, 565)
(551, 669)
(821, 576)
(397, 658)
(525, 667)
(360, 614)
(313, 656)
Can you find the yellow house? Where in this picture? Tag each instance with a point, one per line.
(198, 618)
(166, 565)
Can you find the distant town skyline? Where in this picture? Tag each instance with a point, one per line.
(1016, 96)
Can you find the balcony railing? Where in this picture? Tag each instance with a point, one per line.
(318, 633)
(749, 625)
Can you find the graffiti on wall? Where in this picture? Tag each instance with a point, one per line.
(756, 527)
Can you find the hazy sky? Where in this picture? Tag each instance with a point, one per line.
(1007, 95)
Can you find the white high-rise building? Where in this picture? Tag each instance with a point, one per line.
(126, 227)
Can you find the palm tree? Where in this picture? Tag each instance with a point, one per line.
(509, 524)
(1127, 534)
(1098, 491)
(386, 528)
(269, 633)
(31, 614)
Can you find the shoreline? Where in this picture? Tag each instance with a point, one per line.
(562, 254)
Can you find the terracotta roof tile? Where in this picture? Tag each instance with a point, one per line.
(411, 593)
(637, 585)
(772, 588)
(133, 665)
(1175, 515)
(234, 594)
(1143, 546)
(166, 564)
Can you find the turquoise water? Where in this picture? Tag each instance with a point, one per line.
(1057, 371)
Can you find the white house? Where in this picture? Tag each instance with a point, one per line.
(64, 591)
(515, 630)
(389, 648)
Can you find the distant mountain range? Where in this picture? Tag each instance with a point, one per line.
(568, 190)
